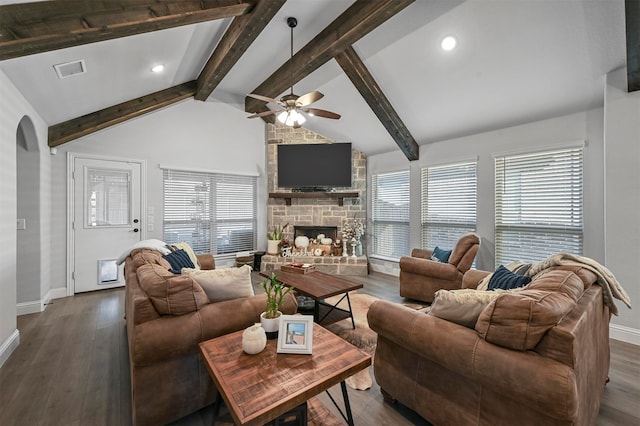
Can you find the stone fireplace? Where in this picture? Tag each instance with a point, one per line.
(311, 216)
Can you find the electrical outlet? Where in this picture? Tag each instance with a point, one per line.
(22, 224)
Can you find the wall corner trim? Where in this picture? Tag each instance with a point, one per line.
(8, 346)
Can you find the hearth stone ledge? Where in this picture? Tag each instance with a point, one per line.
(336, 265)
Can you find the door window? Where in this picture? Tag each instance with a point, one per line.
(107, 197)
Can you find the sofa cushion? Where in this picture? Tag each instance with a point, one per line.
(504, 279)
(520, 320)
(461, 306)
(146, 256)
(170, 294)
(225, 283)
(178, 259)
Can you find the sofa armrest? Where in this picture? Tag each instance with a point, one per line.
(462, 351)
(206, 261)
(429, 268)
(174, 336)
(472, 277)
(421, 253)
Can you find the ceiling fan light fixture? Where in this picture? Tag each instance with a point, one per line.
(291, 117)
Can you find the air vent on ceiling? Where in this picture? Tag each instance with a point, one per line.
(70, 68)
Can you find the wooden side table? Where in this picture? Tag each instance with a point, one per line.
(259, 388)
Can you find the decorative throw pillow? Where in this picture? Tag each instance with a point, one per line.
(224, 284)
(461, 306)
(178, 259)
(441, 255)
(504, 279)
(192, 255)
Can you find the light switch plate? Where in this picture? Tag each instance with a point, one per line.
(22, 224)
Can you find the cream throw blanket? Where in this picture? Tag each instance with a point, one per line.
(610, 286)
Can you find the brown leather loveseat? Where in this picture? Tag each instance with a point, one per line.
(537, 356)
(164, 326)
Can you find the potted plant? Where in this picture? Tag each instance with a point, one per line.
(274, 238)
(275, 291)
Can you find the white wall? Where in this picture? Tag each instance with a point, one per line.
(13, 108)
(191, 134)
(622, 199)
(553, 133)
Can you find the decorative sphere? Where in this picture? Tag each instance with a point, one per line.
(302, 242)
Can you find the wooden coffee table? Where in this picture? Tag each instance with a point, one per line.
(259, 388)
(319, 286)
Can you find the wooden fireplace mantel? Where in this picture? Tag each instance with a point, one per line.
(340, 196)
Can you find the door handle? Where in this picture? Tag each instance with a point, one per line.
(135, 230)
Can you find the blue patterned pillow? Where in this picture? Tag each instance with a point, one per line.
(441, 255)
(178, 259)
(504, 279)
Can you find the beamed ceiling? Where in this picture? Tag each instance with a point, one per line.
(376, 61)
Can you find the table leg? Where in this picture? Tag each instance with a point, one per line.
(216, 407)
(348, 417)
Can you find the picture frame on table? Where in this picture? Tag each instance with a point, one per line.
(295, 335)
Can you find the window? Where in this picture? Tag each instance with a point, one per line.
(448, 207)
(538, 205)
(215, 213)
(390, 214)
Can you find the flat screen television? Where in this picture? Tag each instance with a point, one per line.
(314, 167)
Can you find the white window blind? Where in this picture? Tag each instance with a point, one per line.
(215, 213)
(539, 206)
(448, 208)
(390, 214)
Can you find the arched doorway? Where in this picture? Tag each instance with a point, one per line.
(28, 241)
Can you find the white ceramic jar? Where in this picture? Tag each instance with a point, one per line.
(254, 339)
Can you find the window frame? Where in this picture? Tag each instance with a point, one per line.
(538, 235)
(388, 223)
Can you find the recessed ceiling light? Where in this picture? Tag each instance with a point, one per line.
(157, 68)
(448, 43)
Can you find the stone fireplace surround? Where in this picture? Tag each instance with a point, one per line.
(314, 212)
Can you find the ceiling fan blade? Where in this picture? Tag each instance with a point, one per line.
(322, 113)
(264, 98)
(265, 113)
(309, 98)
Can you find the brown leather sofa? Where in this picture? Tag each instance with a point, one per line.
(421, 277)
(168, 377)
(536, 357)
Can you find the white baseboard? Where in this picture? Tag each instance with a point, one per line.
(56, 293)
(625, 334)
(33, 307)
(8, 346)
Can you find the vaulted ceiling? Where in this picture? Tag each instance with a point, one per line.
(378, 62)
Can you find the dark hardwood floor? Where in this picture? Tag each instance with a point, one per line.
(72, 368)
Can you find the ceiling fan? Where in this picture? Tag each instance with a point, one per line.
(292, 108)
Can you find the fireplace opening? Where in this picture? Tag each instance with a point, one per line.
(314, 231)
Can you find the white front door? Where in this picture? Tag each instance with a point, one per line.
(106, 220)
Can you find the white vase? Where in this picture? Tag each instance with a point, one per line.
(254, 339)
(270, 325)
(272, 247)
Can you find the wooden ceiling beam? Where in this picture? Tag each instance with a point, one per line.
(30, 28)
(362, 79)
(242, 31)
(632, 18)
(72, 129)
(357, 21)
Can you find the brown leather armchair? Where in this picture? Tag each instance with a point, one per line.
(421, 277)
